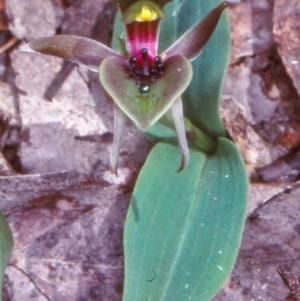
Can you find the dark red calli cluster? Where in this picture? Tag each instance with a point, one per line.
(145, 70)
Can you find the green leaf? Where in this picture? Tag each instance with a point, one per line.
(145, 107)
(159, 131)
(6, 243)
(186, 227)
(118, 42)
(201, 99)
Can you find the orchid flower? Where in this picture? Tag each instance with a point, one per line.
(143, 84)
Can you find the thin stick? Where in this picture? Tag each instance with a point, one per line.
(8, 45)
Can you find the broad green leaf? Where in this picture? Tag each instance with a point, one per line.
(184, 228)
(158, 132)
(146, 102)
(6, 243)
(201, 99)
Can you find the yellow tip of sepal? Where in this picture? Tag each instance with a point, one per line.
(142, 11)
(146, 14)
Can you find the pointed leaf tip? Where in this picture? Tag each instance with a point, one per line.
(192, 42)
(225, 4)
(25, 48)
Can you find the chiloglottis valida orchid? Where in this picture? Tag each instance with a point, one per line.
(143, 84)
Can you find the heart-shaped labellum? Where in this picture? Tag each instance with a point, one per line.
(145, 100)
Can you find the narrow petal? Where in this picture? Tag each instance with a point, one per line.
(144, 103)
(192, 42)
(119, 124)
(177, 113)
(79, 50)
